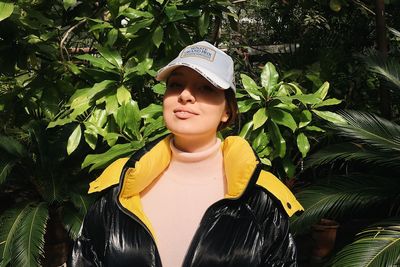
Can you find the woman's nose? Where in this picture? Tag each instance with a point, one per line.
(187, 96)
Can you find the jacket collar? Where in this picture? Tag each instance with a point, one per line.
(239, 165)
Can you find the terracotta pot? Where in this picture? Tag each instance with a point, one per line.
(324, 237)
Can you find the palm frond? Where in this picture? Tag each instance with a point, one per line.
(370, 129)
(350, 152)
(394, 31)
(10, 222)
(72, 221)
(376, 246)
(388, 69)
(341, 196)
(81, 202)
(28, 244)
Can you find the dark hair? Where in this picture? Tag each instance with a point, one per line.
(232, 108)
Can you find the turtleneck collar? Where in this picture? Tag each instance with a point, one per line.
(181, 156)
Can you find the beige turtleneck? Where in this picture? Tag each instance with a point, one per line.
(176, 201)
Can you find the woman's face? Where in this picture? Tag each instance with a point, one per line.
(192, 105)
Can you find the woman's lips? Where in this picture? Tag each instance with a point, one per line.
(184, 113)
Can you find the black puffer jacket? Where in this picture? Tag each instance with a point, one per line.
(247, 228)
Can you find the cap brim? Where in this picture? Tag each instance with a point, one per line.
(164, 73)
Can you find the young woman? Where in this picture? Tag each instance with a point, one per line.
(190, 199)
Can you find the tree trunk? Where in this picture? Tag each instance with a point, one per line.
(382, 45)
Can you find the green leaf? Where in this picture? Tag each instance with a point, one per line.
(259, 118)
(135, 14)
(376, 246)
(139, 25)
(305, 118)
(159, 88)
(314, 129)
(289, 168)
(98, 62)
(153, 126)
(260, 142)
(158, 36)
(112, 37)
(328, 102)
(74, 139)
(29, 237)
(246, 129)
(12, 146)
(283, 118)
(277, 140)
(111, 104)
(269, 78)
(246, 105)
(6, 9)
(123, 95)
(251, 87)
(91, 137)
(150, 111)
(10, 222)
(72, 221)
(69, 3)
(204, 22)
(101, 160)
(112, 57)
(322, 91)
(330, 116)
(303, 144)
(5, 168)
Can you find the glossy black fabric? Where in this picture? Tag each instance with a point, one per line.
(252, 230)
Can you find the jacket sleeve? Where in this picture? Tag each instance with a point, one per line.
(89, 246)
(279, 248)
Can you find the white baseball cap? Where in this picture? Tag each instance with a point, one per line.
(211, 62)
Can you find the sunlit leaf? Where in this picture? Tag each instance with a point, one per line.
(158, 36)
(330, 116)
(283, 118)
(6, 9)
(74, 140)
(259, 118)
(303, 144)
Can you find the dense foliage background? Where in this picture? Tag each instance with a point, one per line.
(77, 91)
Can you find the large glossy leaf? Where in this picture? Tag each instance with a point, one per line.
(259, 118)
(10, 222)
(28, 244)
(112, 56)
(6, 9)
(283, 118)
(330, 116)
(74, 139)
(204, 22)
(269, 78)
(305, 118)
(376, 246)
(98, 62)
(246, 129)
(278, 141)
(158, 36)
(251, 87)
(98, 161)
(303, 144)
(322, 91)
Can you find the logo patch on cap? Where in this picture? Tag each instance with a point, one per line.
(199, 52)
